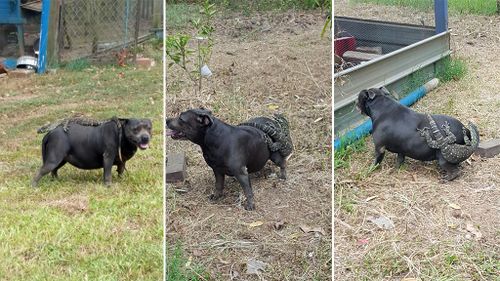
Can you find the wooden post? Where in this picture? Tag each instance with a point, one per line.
(137, 25)
(52, 43)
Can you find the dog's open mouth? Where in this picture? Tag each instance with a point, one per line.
(176, 134)
(143, 145)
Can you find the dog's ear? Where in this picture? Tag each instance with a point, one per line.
(385, 91)
(205, 119)
(123, 121)
(371, 94)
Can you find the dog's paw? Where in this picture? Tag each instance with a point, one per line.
(250, 206)
(215, 197)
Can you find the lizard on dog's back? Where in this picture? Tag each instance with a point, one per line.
(66, 122)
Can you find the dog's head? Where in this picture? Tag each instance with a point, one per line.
(366, 98)
(137, 131)
(190, 124)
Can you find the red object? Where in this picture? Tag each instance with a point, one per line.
(344, 44)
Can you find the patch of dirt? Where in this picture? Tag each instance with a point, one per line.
(72, 205)
(258, 71)
(437, 225)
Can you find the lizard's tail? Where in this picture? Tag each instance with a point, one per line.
(474, 134)
(281, 119)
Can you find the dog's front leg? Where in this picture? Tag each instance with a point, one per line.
(121, 168)
(244, 181)
(400, 160)
(219, 185)
(109, 158)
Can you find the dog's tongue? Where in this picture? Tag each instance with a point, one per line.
(143, 145)
(171, 133)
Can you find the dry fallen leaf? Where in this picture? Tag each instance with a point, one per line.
(188, 263)
(255, 266)
(382, 222)
(454, 206)
(472, 229)
(255, 224)
(371, 198)
(272, 107)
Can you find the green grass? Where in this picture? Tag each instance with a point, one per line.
(482, 7)
(342, 156)
(180, 15)
(452, 69)
(248, 7)
(180, 268)
(77, 65)
(74, 228)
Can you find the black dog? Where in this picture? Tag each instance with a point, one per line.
(92, 147)
(401, 130)
(228, 150)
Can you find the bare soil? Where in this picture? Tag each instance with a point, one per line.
(262, 64)
(442, 231)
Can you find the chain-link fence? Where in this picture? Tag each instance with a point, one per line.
(91, 27)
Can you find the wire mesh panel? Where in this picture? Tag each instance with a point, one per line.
(367, 29)
(384, 43)
(90, 27)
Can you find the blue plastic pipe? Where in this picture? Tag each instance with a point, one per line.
(44, 36)
(366, 127)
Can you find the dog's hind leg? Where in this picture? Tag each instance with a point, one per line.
(244, 181)
(46, 168)
(452, 171)
(53, 158)
(54, 172)
(400, 160)
(379, 154)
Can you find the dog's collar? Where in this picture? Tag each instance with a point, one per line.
(120, 133)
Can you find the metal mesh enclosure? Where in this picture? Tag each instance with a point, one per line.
(90, 27)
(361, 36)
(400, 45)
